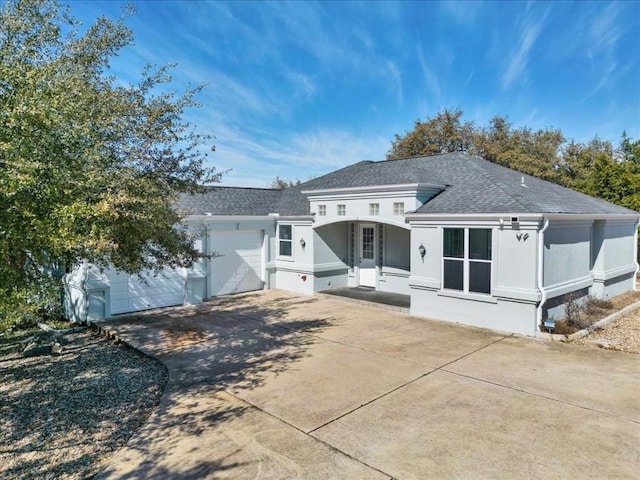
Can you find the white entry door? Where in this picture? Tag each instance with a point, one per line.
(367, 255)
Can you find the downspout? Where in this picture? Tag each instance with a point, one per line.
(543, 292)
(635, 254)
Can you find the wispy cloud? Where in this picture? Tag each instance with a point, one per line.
(464, 13)
(430, 79)
(605, 30)
(396, 79)
(255, 159)
(604, 34)
(519, 58)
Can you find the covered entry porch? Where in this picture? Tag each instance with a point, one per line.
(376, 254)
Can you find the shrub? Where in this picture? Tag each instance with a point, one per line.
(22, 308)
(580, 312)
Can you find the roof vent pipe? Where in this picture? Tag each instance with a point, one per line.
(522, 184)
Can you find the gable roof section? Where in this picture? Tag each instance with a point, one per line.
(368, 173)
(230, 201)
(473, 186)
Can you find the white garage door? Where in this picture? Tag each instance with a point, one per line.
(130, 294)
(238, 268)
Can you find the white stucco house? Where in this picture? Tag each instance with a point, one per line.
(467, 240)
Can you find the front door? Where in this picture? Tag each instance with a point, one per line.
(367, 255)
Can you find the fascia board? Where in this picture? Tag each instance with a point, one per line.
(364, 219)
(407, 187)
(295, 219)
(439, 217)
(630, 217)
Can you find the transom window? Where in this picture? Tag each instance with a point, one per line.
(322, 210)
(342, 210)
(374, 209)
(467, 260)
(398, 208)
(285, 239)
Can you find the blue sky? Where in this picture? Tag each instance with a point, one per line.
(298, 89)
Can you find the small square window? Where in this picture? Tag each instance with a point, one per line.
(342, 210)
(322, 210)
(374, 209)
(398, 208)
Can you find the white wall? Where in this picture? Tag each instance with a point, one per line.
(397, 247)
(511, 306)
(330, 244)
(360, 208)
(567, 256)
(613, 257)
(396, 260)
(503, 315)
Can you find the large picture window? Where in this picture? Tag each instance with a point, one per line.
(467, 260)
(285, 240)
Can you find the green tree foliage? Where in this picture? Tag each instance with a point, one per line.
(533, 152)
(444, 133)
(89, 168)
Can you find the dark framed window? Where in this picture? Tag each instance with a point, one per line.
(285, 239)
(467, 260)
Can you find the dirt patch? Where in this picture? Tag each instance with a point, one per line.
(63, 416)
(177, 338)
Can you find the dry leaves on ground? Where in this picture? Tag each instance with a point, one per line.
(63, 416)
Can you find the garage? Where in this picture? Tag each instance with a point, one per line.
(129, 293)
(238, 265)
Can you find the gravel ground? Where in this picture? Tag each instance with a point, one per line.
(622, 334)
(62, 416)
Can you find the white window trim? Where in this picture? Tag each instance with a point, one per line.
(374, 209)
(322, 210)
(286, 258)
(344, 210)
(465, 293)
(398, 208)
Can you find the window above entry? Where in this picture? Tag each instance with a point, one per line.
(398, 208)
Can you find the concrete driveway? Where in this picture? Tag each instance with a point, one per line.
(274, 385)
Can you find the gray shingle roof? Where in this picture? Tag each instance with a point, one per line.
(476, 185)
(230, 201)
(473, 185)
